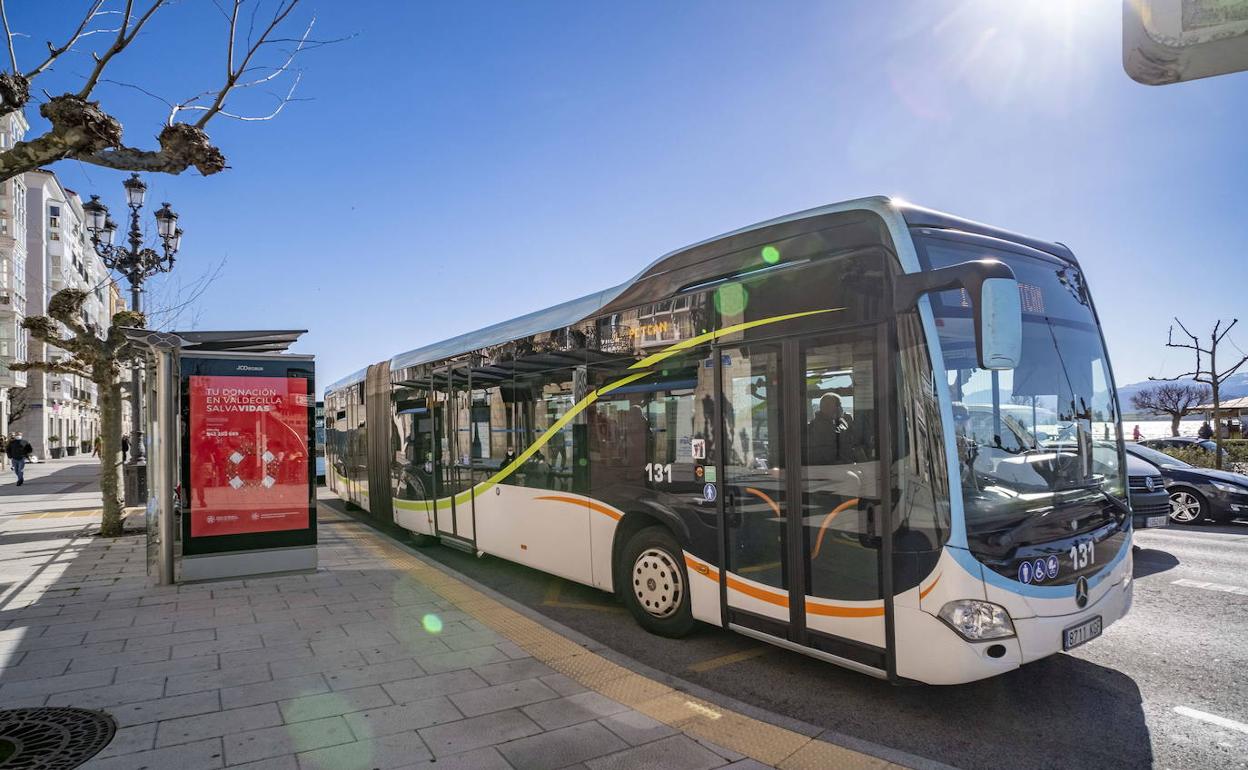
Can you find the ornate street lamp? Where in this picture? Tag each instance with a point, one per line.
(137, 263)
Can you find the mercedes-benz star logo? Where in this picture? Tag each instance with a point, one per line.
(1081, 591)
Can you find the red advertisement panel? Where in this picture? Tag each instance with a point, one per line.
(248, 454)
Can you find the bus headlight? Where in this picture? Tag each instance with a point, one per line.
(976, 621)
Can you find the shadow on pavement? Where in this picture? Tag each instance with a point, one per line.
(1150, 561)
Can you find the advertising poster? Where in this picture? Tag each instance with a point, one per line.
(248, 454)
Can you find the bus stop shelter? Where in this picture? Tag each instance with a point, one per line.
(1229, 416)
(163, 354)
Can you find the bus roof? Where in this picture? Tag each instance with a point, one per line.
(577, 310)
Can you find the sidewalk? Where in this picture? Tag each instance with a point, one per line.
(381, 659)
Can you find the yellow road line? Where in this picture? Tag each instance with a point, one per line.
(728, 660)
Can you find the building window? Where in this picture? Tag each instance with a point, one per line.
(54, 236)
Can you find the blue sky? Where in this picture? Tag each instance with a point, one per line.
(463, 163)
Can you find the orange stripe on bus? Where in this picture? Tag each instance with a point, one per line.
(758, 593)
(593, 506)
(828, 520)
(924, 592)
(836, 611)
(772, 503)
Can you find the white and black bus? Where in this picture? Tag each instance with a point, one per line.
(877, 434)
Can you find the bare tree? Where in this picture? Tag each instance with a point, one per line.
(17, 404)
(1173, 399)
(257, 54)
(99, 360)
(1208, 373)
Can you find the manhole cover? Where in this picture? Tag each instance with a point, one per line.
(52, 738)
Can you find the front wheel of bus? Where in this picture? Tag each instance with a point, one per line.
(655, 584)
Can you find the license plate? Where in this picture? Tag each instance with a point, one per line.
(1156, 521)
(1082, 633)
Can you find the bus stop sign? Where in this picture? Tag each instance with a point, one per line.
(1170, 41)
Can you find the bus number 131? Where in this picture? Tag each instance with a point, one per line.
(659, 472)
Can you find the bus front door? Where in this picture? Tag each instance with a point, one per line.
(802, 495)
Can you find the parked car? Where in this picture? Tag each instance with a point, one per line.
(1197, 494)
(1183, 442)
(1150, 503)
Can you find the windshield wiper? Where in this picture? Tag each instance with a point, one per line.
(1011, 535)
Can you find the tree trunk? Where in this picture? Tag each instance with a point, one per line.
(1174, 423)
(110, 456)
(1217, 429)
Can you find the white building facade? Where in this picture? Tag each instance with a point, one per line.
(60, 413)
(12, 277)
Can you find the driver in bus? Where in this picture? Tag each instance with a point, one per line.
(829, 436)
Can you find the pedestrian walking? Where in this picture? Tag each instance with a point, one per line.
(1135, 434)
(1205, 431)
(95, 447)
(125, 448)
(19, 451)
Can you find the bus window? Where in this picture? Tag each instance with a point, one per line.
(540, 401)
(840, 470)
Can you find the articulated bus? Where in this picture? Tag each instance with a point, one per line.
(815, 431)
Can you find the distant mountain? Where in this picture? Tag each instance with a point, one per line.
(1235, 386)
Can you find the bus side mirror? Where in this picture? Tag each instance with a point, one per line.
(995, 303)
(999, 324)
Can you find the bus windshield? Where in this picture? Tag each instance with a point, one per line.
(1044, 434)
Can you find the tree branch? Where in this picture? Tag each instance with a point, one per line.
(283, 10)
(8, 36)
(125, 36)
(54, 53)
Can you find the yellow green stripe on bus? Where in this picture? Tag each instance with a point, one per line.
(464, 497)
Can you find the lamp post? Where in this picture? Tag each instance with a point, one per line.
(137, 263)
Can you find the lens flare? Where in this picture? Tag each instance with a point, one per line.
(731, 299)
(771, 255)
(432, 623)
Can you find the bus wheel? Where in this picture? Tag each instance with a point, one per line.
(655, 584)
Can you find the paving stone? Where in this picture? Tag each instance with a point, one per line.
(487, 730)
(200, 755)
(54, 684)
(513, 670)
(350, 678)
(216, 724)
(215, 680)
(333, 704)
(583, 707)
(512, 650)
(747, 764)
(272, 691)
(637, 728)
(129, 632)
(170, 640)
(109, 696)
(215, 646)
(128, 740)
(167, 668)
(457, 659)
(562, 747)
(20, 673)
(389, 751)
(286, 739)
(316, 664)
(439, 684)
(117, 659)
(287, 762)
(407, 716)
(502, 696)
(403, 650)
(487, 758)
(562, 684)
(254, 655)
(675, 753)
